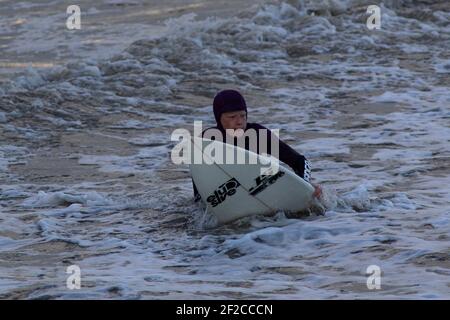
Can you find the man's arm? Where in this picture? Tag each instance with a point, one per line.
(298, 163)
(295, 160)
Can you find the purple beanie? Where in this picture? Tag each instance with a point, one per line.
(227, 101)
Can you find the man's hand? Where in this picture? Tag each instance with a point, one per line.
(317, 191)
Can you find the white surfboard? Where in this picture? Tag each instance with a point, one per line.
(233, 191)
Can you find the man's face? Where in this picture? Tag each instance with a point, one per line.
(234, 120)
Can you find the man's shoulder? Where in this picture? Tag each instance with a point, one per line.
(255, 126)
(252, 125)
(210, 128)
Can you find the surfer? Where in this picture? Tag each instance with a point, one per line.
(230, 112)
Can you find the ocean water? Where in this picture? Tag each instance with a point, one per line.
(86, 177)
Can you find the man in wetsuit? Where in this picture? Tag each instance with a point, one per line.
(230, 111)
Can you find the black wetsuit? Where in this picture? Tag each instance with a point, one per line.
(298, 163)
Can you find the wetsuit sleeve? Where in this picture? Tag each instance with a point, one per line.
(296, 161)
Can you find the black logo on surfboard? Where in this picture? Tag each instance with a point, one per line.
(264, 181)
(224, 190)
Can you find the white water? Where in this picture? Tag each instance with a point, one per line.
(86, 178)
